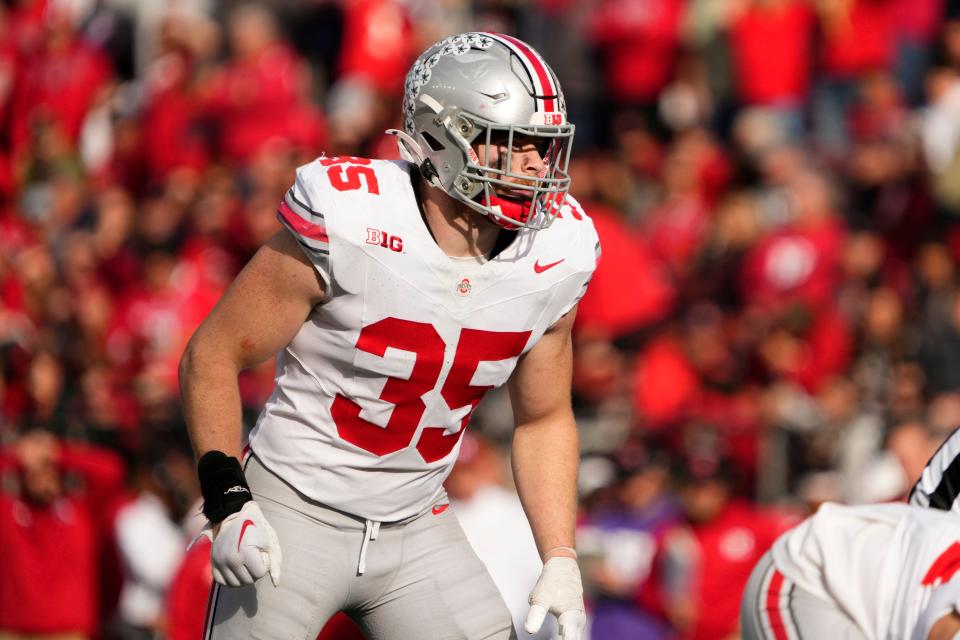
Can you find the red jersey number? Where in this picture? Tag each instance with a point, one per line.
(473, 347)
(347, 173)
(420, 338)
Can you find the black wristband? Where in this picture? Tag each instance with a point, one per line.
(225, 489)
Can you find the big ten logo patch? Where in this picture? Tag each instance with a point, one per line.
(384, 239)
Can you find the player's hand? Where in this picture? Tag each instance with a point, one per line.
(560, 592)
(244, 548)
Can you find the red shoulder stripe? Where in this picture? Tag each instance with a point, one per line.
(301, 226)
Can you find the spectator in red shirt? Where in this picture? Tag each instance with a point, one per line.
(878, 115)
(27, 19)
(639, 41)
(172, 129)
(772, 50)
(639, 44)
(627, 261)
(53, 538)
(807, 346)
(858, 37)
(729, 536)
(60, 83)
(153, 321)
(260, 99)
(8, 65)
(695, 373)
(665, 384)
(677, 228)
(917, 23)
(378, 44)
(188, 594)
(800, 261)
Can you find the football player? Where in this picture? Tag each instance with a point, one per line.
(397, 294)
(866, 572)
(938, 487)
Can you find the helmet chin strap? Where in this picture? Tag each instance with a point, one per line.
(411, 152)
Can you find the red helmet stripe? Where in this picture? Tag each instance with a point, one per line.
(539, 69)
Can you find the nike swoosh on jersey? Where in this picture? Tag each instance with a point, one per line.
(243, 529)
(540, 268)
(440, 509)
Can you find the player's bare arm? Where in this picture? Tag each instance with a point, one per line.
(545, 458)
(258, 315)
(546, 430)
(946, 628)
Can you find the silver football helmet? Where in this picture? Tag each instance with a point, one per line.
(488, 88)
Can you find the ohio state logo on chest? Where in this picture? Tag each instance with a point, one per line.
(384, 239)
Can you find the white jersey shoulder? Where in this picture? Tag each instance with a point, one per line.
(563, 256)
(883, 564)
(331, 196)
(376, 388)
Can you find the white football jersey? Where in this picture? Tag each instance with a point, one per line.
(375, 389)
(881, 563)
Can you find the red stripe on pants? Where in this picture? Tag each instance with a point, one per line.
(777, 624)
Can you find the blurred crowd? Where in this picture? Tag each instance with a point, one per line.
(775, 321)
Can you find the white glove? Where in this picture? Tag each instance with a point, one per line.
(245, 548)
(560, 592)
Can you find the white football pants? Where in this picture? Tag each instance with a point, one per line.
(774, 608)
(417, 579)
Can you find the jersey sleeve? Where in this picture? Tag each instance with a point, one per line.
(586, 249)
(303, 217)
(587, 276)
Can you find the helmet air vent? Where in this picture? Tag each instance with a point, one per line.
(432, 142)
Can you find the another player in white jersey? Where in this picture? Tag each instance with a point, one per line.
(869, 572)
(396, 296)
